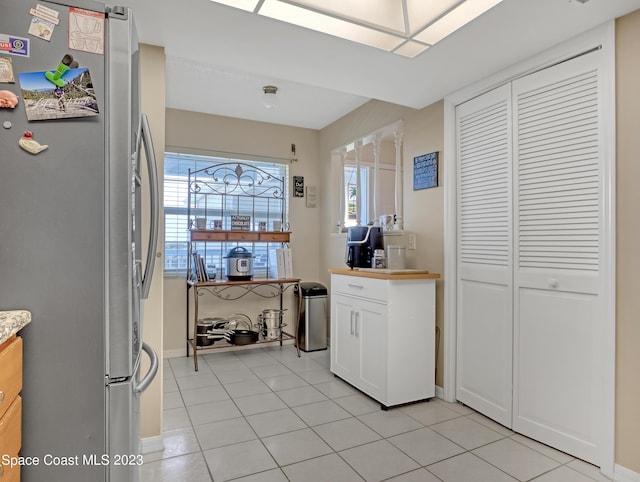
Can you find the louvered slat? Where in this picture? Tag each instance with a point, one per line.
(558, 180)
(484, 178)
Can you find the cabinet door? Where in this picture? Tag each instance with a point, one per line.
(371, 336)
(558, 307)
(344, 348)
(485, 273)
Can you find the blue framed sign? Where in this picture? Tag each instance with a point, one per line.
(425, 171)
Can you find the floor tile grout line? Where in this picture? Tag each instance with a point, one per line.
(355, 416)
(266, 448)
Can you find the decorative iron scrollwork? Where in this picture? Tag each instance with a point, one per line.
(236, 179)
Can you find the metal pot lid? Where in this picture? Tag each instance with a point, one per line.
(238, 320)
(206, 322)
(239, 252)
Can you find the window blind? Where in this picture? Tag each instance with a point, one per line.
(177, 223)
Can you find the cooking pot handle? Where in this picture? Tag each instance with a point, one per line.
(153, 369)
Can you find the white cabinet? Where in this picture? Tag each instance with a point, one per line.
(383, 336)
(360, 343)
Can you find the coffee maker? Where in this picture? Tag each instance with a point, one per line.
(361, 243)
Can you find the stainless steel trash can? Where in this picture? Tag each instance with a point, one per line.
(312, 323)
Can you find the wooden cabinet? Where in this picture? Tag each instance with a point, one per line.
(261, 236)
(383, 336)
(10, 405)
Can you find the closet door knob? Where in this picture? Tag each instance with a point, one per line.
(553, 282)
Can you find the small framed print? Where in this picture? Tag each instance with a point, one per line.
(298, 186)
(425, 171)
(240, 223)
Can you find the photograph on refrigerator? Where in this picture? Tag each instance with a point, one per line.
(45, 100)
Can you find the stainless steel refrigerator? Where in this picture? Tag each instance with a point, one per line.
(70, 236)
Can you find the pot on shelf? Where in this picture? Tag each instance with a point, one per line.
(239, 264)
(242, 337)
(270, 323)
(207, 330)
(202, 332)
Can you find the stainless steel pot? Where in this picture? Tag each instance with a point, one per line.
(270, 322)
(239, 264)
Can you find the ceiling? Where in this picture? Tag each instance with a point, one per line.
(218, 58)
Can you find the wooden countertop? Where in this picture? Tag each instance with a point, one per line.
(385, 273)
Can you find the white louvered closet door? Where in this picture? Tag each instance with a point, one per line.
(485, 268)
(558, 244)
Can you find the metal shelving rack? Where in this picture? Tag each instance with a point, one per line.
(222, 190)
(218, 192)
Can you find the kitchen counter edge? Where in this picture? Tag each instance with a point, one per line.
(387, 276)
(11, 322)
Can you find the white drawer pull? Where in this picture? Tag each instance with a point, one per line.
(1, 396)
(553, 282)
(351, 285)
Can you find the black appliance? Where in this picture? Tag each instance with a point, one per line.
(361, 243)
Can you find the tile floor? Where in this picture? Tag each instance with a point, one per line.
(266, 415)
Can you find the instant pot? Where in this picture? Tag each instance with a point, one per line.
(239, 264)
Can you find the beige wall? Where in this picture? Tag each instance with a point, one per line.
(152, 63)
(628, 242)
(222, 134)
(423, 132)
(424, 216)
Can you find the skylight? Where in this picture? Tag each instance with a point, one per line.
(404, 27)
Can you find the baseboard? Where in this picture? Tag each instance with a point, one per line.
(151, 444)
(622, 474)
(439, 392)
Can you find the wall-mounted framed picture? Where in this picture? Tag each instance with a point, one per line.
(298, 186)
(425, 171)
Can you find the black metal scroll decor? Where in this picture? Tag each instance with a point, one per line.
(238, 179)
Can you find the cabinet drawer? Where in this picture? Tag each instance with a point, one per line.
(10, 429)
(208, 236)
(275, 237)
(10, 373)
(374, 289)
(10, 474)
(243, 236)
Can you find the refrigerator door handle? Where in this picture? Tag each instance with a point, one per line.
(144, 136)
(153, 369)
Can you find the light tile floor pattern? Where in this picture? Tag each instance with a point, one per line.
(265, 415)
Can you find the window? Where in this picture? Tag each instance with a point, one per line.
(351, 195)
(177, 223)
(386, 193)
(376, 159)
